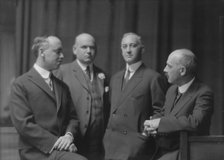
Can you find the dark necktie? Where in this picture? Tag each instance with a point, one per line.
(177, 97)
(88, 72)
(126, 78)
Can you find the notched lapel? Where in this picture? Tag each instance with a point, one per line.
(78, 73)
(58, 92)
(185, 98)
(36, 78)
(130, 86)
(100, 82)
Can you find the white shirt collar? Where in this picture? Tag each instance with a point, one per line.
(83, 66)
(43, 72)
(133, 67)
(184, 88)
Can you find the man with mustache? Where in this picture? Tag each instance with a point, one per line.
(136, 93)
(188, 106)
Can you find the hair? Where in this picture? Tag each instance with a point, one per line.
(189, 61)
(39, 42)
(139, 39)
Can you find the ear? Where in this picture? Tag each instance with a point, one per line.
(142, 49)
(41, 52)
(183, 71)
(74, 49)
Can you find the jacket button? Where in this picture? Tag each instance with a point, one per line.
(125, 132)
(87, 112)
(87, 98)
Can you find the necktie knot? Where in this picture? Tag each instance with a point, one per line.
(126, 78)
(49, 81)
(178, 96)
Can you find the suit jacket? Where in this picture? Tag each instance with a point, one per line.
(74, 77)
(39, 115)
(191, 113)
(143, 94)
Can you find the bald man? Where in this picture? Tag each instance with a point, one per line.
(89, 91)
(136, 93)
(188, 106)
(41, 107)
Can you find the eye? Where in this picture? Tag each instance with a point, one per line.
(133, 45)
(124, 46)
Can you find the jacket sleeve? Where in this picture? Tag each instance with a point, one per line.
(158, 90)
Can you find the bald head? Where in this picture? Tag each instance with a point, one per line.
(83, 37)
(85, 48)
(48, 51)
(185, 58)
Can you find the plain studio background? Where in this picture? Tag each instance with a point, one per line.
(165, 25)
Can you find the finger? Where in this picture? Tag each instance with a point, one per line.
(56, 143)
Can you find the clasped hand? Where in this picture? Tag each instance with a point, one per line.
(150, 127)
(64, 143)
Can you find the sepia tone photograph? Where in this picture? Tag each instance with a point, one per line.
(111, 79)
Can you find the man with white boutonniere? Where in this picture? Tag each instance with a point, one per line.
(89, 90)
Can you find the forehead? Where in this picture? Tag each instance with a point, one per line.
(54, 42)
(174, 58)
(85, 40)
(130, 39)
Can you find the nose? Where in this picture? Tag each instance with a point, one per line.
(165, 69)
(61, 55)
(88, 49)
(128, 49)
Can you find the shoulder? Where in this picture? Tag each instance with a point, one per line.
(118, 74)
(65, 66)
(100, 72)
(62, 70)
(61, 83)
(201, 87)
(151, 73)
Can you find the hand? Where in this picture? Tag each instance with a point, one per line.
(72, 148)
(63, 142)
(149, 131)
(153, 123)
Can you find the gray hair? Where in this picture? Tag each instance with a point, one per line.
(139, 39)
(39, 42)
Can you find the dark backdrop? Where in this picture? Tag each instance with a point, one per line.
(164, 25)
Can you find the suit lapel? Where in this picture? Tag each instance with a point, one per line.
(131, 84)
(36, 78)
(79, 74)
(170, 100)
(100, 80)
(117, 88)
(58, 92)
(184, 99)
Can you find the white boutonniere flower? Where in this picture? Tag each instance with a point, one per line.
(101, 76)
(106, 89)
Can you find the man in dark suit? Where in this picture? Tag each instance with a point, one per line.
(188, 106)
(41, 107)
(89, 91)
(136, 92)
